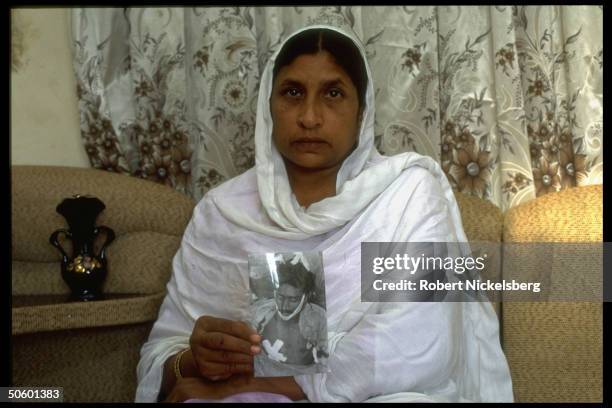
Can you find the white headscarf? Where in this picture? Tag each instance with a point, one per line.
(364, 174)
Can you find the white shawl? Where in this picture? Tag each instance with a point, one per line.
(391, 351)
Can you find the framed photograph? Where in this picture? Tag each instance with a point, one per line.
(288, 310)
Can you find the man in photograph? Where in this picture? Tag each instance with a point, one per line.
(293, 327)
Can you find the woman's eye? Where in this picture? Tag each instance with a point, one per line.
(293, 92)
(334, 93)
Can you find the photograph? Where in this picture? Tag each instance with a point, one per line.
(288, 311)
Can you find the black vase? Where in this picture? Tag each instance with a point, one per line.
(84, 271)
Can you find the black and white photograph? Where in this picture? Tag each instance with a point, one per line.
(288, 311)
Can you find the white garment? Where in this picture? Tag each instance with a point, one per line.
(392, 351)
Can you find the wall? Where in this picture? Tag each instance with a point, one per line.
(44, 112)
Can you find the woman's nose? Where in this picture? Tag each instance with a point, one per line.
(310, 115)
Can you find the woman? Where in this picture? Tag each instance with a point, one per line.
(320, 185)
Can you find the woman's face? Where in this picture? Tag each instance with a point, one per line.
(315, 111)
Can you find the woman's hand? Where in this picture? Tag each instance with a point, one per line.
(188, 388)
(194, 387)
(222, 347)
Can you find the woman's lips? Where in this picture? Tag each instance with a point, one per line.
(313, 144)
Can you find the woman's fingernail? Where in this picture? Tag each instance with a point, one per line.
(255, 338)
(255, 349)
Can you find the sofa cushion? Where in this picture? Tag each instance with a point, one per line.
(482, 220)
(138, 263)
(482, 223)
(132, 205)
(572, 215)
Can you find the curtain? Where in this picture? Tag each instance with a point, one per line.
(508, 99)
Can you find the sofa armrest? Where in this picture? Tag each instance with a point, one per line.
(77, 315)
(554, 349)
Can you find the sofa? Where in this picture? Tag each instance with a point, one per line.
(91, 349)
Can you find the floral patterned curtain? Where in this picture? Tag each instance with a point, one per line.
(507, 98)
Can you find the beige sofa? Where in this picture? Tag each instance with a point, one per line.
(91, 349)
